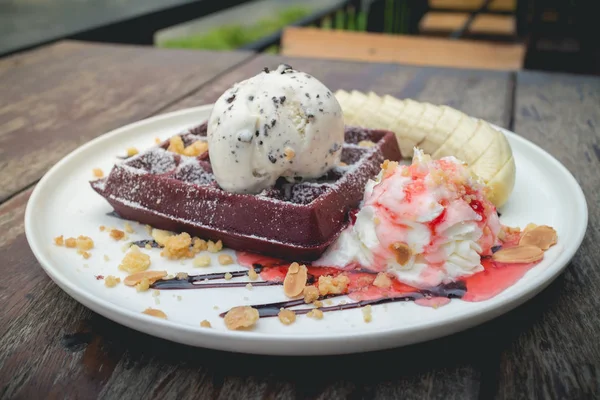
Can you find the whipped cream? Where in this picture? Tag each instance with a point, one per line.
(280, 123)
(427, 223)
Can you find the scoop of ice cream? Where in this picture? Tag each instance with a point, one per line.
(427, 223)
(281, 123)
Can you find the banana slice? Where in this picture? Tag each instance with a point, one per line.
(442, 129)
(501, 185)
(426, 123)
(368, 114)
(407, 119)
(482, 139)
(458, 138)
(497, 155)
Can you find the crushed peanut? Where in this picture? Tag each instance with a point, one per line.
(176, 144)
(295, 280)
(213, 247)
(85, 254)
(148, 246)
(366, 143)
(198, 245)
(202, 261)
(106, 258)
(342, 164)
(225, 259)
(205, 324)
(311, 294)
(249, 286)
(228, 276)
(177, 247)
(111, 281)
(154, 312)
(402, 252)
(181, 276)
(389, 167)
(70, 242)
(160, 236)
(128, 228)
(132, 151)
(517, 255)
(157, 140)
(151, 276)
(318, 303)
(252, 275)
(155, 293)
(287, 317)
(289, 153)
(195, 149)
(117, 234)
(59, 240)
(102, 228)
(143, 285)
(316, 314)
(241, 317)
(135, 260)
(98, 173)
(367, 314)
(84, 243)
(382, 281)
(333, 285)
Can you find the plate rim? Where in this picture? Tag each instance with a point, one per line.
(136, 320)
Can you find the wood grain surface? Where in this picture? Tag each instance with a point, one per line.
(56, 98)
(52, 347)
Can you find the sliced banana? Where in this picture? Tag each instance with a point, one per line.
(458, 138)
(502, 184)
(440, 131)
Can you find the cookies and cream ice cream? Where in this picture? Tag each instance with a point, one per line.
(280, 123)
(427, 223)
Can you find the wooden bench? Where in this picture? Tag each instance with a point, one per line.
(484, 24)
(401, 49)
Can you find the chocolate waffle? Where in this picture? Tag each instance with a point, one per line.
(295, 221)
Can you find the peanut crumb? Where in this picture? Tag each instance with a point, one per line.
(160, 236)
(111, 281)
(382, 281)
(289, 153)
(59, 240)
(98, 173)
(157, 140)
(241, 317)
(228, 276)
(176, 144)
(249, 286)
(213, 247)
(132, 151)
(202, 261)
(225, 259)
(143, 286)
(155, 313)
(155, 293)
(367, 315)
(318, 303)
(181, 276)
(84, 254)
(106, 258)
(287, 317)
(205, 324)
(151, 276)
(311, 294)
(177, 247)
(70, 242)
(135, 261)
(148, 246)
(328, 302)
(128, 228)
(102, 228)
(117, 234)
(316, 314)
(198, 245)
(195, 149)
(252, 275)
(84, 243)
(333, 285)
(366, 143)
(402, 252)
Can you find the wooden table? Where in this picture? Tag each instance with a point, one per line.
(59, 97)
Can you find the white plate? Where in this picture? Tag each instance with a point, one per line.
(64, 203)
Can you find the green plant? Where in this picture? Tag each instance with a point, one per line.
(229, 37)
